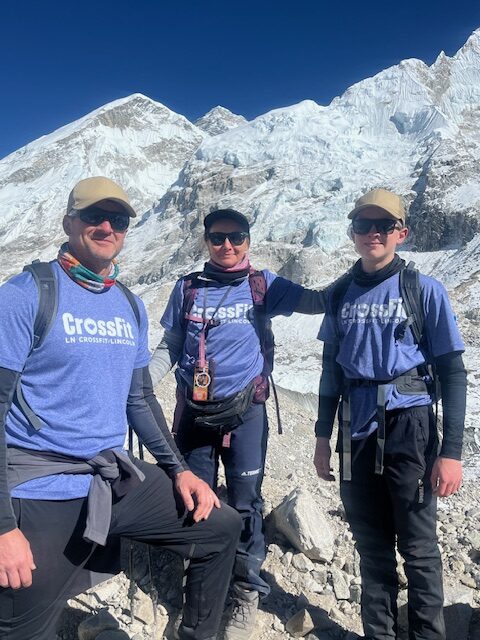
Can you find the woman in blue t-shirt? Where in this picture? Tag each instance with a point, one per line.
(217, 330)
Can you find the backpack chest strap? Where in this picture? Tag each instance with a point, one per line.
(409, 383)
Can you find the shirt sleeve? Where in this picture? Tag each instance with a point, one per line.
(453, 383)
(441, 327)
(172, 316)
(312, 302)
(282, 296)
(18, 308)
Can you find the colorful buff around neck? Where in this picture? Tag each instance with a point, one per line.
(83, 276)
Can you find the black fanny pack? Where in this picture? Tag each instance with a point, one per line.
(222, 416)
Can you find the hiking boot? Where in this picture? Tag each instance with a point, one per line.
(241, 614)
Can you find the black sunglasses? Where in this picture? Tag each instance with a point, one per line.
(362, 226)
(118, 221)
(236, 238)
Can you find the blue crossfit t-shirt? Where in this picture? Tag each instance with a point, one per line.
(368, 349)
(77, 382)
(233, 345)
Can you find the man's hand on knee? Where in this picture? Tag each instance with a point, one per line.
(446, 477)
(196, 495)
(16, 560)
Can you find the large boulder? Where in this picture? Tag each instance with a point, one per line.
(301, 521)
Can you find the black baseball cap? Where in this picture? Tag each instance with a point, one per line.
(226, 214)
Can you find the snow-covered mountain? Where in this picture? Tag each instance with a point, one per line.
(294, 171)
(136, 141)
(218, 120)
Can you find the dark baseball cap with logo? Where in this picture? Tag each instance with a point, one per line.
(226, 214)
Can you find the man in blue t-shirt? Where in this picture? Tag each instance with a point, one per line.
(391, 471)
(68, 492)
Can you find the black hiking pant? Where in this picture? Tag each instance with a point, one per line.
(150, 512)
(397, 508)
(244, 464)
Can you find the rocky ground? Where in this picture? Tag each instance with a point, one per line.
(323, 594)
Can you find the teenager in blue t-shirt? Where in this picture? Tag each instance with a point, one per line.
(64, 407)
(391, 471)
(220, 342)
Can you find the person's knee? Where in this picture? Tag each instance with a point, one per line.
(244, 494)
(228, 524)
(419, 550)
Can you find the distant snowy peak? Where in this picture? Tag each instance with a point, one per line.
(218, 120)
(134, 111)
(135, 141)
(419, 99)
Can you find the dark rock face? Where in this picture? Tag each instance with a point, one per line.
(435, 221)
(433, 229)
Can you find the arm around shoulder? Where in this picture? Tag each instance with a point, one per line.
(312, 302)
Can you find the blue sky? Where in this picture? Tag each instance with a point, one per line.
(60, 60)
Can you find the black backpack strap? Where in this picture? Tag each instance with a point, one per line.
(258, 288)
(336, 293)
(189, 290)
(412, 300)
(46, 282)
(131, 299)
(262, 323)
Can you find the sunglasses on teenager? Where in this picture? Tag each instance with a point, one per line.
(362, 226)
(118, 221)
(217, 238)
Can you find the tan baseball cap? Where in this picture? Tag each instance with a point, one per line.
(93, 190)
(383, 199)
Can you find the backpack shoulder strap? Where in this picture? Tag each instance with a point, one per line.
(42, 273)
(412, 300)
(46, 282)
(258, 287)
(131, 299)
(189, 292)
(337, 292)
(262, 323)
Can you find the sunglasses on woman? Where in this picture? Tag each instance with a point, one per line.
(118, 221)
(362, 226)
(217, 238)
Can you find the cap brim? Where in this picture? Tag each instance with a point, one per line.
(89, 203)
